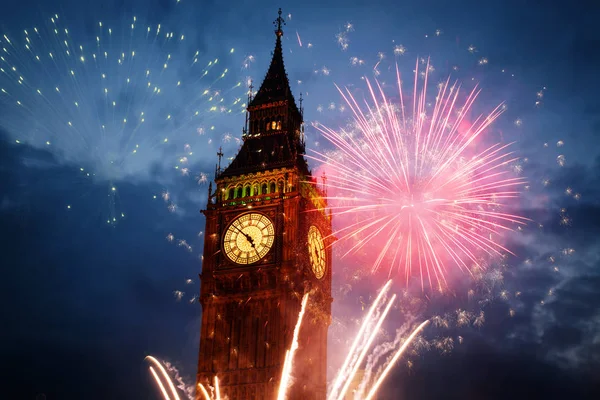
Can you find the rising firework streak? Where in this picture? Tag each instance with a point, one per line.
(358, 351)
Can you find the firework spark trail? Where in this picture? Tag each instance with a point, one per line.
(204, 392)
(393, 361)
(111, 101)
(289, 357)
(378, 352)
(359, 349)
(362, 343)
(217, 389)
(425, 184)
(341, 377)
(374, 333)
(159, 383)
(165, 376)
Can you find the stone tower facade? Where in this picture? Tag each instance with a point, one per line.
(267, 242)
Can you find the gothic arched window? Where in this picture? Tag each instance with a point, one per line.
(273, 187)
(231, 194)
(263, 189)
(255, 189)
(238, 192)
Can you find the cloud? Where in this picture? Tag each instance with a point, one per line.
(84, 297)
(118, 107)
(481, 371)
(558, 273)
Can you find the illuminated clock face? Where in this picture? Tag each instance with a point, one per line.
(316, 252)
(248, 238)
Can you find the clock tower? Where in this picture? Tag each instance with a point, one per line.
(267, 242)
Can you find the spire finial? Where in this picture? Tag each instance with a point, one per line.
(219, 154)
(278, 23)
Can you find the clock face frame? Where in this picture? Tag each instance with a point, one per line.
(248, 238)
(316, 252)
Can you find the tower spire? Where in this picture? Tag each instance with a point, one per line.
(275, 87)
(245, 130)
(273, 134)
(278, 23)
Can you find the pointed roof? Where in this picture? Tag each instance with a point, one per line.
(274, 151)
(275, 86)
(277, 150)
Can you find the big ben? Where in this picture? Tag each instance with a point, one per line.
(267, 242)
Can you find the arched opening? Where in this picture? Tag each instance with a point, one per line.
(255, 189)
(231, 194)
(263, 189)
(246, 191)
(238, 192)
(273, 188)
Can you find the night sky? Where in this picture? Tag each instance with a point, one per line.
(96, 268)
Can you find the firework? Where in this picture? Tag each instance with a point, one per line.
(112, 101)
(366, 347)
(421, 184)
(286, 373)
(217, 389)
(159, 383)
(391, 364)
(165, 377)
(204, 392)
(356, 344)
(369, 330)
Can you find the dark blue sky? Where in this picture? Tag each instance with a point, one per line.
(89, 274)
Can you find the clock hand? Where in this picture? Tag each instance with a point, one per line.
(248, 237)
(239, 230)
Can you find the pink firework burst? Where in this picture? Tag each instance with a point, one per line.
(421, 188)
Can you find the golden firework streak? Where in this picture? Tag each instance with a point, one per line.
(341, 377)
(289, 356)
(166, 377)
(398, 354)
